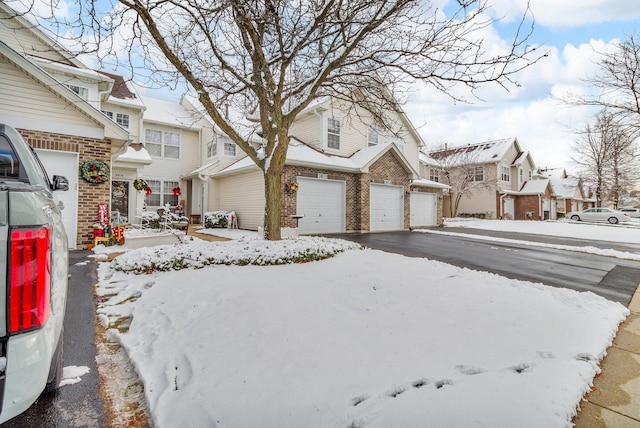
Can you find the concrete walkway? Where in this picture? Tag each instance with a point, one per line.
(615, 399)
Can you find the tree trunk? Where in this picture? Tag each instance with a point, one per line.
(273, 190)
(273, 207)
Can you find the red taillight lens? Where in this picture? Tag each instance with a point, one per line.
(29, 279)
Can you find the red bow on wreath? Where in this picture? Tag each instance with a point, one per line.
(148, 191)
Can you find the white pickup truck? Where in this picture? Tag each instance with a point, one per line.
(33, 265)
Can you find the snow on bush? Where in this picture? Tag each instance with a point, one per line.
(197, 254)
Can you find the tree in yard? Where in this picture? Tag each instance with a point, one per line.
(606, 153)
(461, 169)
(266, 60)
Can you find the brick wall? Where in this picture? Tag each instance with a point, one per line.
(527, 203)
(357, 190)
(352, 187)
(388, 168)
(89, 195)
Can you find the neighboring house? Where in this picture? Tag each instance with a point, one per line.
(350, 177)
(54, 102)
(71, 114)
(487, 179)
(568, 190)
(535, 201)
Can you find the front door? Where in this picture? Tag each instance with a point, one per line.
(119, 199)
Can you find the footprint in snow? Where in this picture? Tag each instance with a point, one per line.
(469, 370)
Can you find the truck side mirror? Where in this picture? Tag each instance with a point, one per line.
(60, 183)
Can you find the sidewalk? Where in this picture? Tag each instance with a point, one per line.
(615, 398)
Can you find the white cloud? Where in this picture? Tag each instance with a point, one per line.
(568, 13)
(530, 112)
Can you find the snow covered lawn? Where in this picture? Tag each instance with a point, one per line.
(365, 338)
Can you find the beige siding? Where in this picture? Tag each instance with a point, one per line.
(23, 40)
(22, 96)
(190, 151)
(134, 119)
(483, 201)
(244, 194)
(354, 132)
(308, 129)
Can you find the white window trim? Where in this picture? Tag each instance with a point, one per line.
(224, 149)
(212, 144)
(325, 132)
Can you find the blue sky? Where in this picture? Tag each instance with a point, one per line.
(571, 32)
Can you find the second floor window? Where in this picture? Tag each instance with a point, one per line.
(476, 173)
(81, 91)
(122, 120)
(373, 137)
(434, 174)
(229, 149)
(161, 144)
(506, 173)
(333, 133)
(212, 149)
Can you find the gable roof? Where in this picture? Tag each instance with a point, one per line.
(300, 154)
(322, 103)
(111, 129)
(63, 56)
(486, 152)
(536, 187)
(553, 172)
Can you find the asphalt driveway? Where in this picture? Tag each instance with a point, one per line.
(77, 405)
(612, 278)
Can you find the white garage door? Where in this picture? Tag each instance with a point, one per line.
(322, 202)
(386, 208)
(65, 164)
(424, 209)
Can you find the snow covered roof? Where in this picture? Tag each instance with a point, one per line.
(135, 153)
(167, 112)
(301, 154)
(487, 152)
(566, 187)
(554, 172)
(203, 170)
(535, 187)
(428, 183)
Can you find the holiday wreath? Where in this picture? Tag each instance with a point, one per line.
(140, 184)
(94, 171)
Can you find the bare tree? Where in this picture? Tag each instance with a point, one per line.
(461, 169)
(617, 83)
(606, 153)
(266, 60)
(622, 165)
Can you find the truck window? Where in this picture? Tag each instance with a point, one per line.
(9, 164)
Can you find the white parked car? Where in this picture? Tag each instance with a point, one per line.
(633, 212)
(599, 214)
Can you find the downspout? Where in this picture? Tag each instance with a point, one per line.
(502, 205)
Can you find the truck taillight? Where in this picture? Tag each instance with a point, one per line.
(29, 278)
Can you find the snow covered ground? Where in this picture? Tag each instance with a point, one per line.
(365, 338)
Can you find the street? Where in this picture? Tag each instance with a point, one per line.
(612, 278)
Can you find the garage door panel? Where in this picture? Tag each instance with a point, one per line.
(65, 164)
(423, 208)
(322, 202)
(386, 210)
